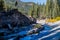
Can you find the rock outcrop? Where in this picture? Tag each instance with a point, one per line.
(11, 24)
(14, 18)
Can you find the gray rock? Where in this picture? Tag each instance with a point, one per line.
(14, 18)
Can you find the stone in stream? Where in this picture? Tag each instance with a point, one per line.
(37, 28)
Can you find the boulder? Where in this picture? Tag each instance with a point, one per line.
(14, 18)
(37, 28)
(33, 20)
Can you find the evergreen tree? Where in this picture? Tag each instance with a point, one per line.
(43, 12)
(49, 8)
(2, 7)
(37, 12)
(56, 9)
(16, 3)
(32, 11)
(52, 8)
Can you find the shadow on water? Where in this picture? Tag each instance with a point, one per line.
(22, 33)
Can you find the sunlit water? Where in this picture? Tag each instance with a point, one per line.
(46, 34)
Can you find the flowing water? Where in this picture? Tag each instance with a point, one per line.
(48, 33)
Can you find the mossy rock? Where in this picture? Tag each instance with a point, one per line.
(37, 26)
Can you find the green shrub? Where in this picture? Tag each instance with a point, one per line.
(37, 26)
(57, 18)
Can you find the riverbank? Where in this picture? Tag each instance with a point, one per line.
(42, 22)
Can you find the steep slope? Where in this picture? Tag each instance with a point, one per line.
(13, 18)
(22, 6)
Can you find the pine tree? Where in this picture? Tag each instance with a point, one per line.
(32, 11)
(2, 7)
(37, 12)
(53, 8)
(40, 11)
(49, 8)
(43, 12)
(16, 3)
(56, 9)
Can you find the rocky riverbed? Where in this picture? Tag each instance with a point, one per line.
(23, 33)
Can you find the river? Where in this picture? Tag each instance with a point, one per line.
(48, 33)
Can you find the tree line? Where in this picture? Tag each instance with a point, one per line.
(49, 10)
